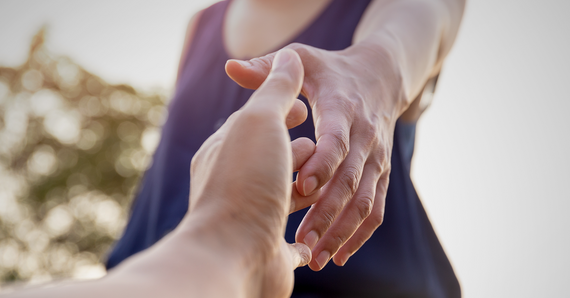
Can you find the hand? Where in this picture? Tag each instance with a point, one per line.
(355, 104)
(231, 242)
(241, 192)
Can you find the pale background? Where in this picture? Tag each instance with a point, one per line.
(491, 163)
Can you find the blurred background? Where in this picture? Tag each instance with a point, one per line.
(83, 89)
(72, 149)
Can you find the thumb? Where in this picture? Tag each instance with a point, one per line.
(279, 91)
(300, 254)
(250, 74)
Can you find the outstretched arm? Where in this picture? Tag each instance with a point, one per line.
(356, 96)
(417, 34)
(230, 243)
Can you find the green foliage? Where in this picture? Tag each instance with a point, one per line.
(72, 150)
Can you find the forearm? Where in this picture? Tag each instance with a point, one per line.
(174, 267)
(183, 264)
(410, 36)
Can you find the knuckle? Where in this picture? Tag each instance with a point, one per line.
(387, 169)
(376, 167)
(340, 101)
(382, 186)
(265, 62)
(336, 242)
(326, 172)
(377, 218)
(341, 142)
(384, 156)
(351, 177)
(364, 206)
(382, 166)
(358, 244)
(369, 131)
(381, 160)
(339, 148)
(343, 102)
(327, 218)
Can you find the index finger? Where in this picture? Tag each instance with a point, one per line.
(332, 129)
(284, 80)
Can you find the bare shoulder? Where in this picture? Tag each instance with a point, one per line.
(189, 36)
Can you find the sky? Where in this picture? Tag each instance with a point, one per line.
(491, 162)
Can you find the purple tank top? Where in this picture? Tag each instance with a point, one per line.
(402, 259)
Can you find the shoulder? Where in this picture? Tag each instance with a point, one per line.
(189, 36)
(196, 21)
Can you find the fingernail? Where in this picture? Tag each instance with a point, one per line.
(311, 239)
(344, 259)
(309, 185)
(282, 57)
(323, 258)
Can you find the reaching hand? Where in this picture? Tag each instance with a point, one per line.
(355, 108)
(241, 177)
(230, 243)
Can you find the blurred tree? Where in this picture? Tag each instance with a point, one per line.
(72, 150)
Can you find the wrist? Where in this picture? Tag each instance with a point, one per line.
(184, 264)
(222, 251)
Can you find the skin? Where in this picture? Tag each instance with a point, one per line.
(356, 96)
(241, 195)
(230, 243)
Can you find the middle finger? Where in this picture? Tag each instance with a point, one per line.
(335, 196)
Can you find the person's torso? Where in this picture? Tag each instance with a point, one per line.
(402, 259)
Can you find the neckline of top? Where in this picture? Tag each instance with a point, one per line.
(297, 36)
